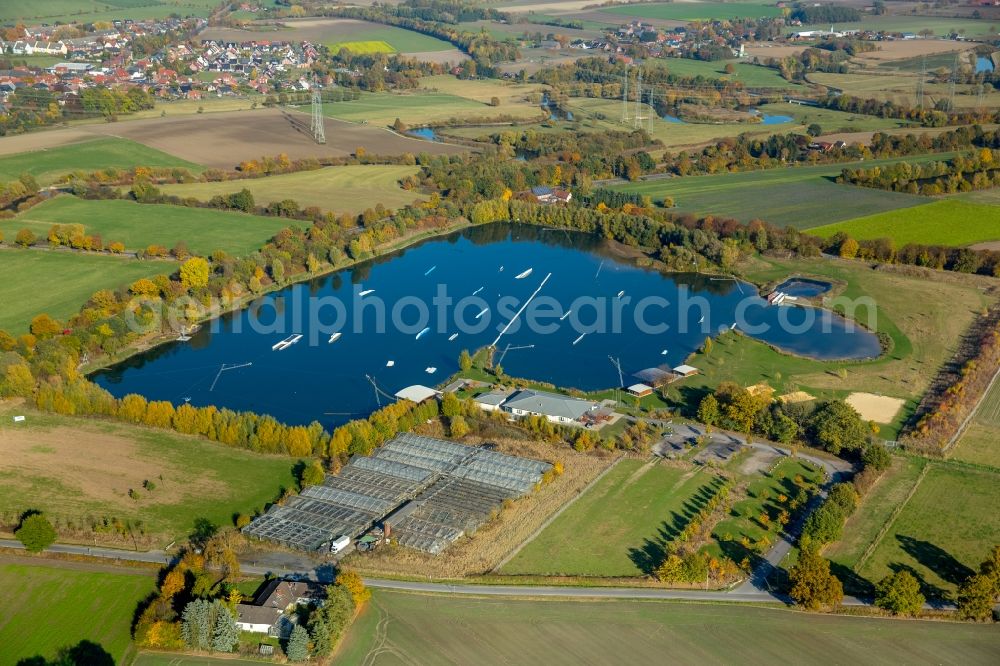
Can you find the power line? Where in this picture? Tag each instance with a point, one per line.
(318, 131)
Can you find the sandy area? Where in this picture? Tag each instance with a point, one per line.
(227, 138)
(877, 408)
(988, 245)
(796, 396)
(764, 51)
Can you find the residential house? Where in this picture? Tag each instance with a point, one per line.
(548, 195)
(554, 407)
(273, 611)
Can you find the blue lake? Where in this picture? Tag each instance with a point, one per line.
(983, 64)
(674, 119)
(804, 287)
(332, 382)
(426, 133)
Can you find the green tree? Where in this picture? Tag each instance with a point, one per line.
(814, 129)
(319, 633)
(25, 237)
(812, 584)
(450, 405)
(313, 474)
(36, 533)
(876, 457)
(708, 410)
(836, 427)
(298, 644)
(465, 360)
(849, 248)
(458, 426)
(706, 347)
(899, 593)
(825, 524)
(976, 598)
(226, 635)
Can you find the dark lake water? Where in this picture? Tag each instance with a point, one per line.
(804, 287)
(329, 382)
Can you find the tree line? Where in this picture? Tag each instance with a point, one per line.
(962, 173)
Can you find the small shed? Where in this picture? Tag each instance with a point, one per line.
(640, 390)
(685, 370)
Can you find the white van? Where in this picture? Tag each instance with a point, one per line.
(340, 543)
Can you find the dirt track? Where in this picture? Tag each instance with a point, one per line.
(225, 139)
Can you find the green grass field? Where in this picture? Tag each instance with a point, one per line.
(901, 88)
(341, 189)
(874, 513)
(831, 120)
(35, 281)
(692, 11)
(980, 443)
(619, 526)
(752, 76)
(924, 337)
(139, 225)
(943, 222)
(943, 531)
(72, 468)
(100, 10)
(46, 608)
(940, 25)
(362, 48)
(398, 39)
(48, 165)
(800, 196)
(424, 629)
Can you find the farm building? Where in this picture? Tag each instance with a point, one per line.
(417, 393)
(491, 401)
(640, 390)
(556, 408)
(429, 490)
(272, 610)
(685, 370)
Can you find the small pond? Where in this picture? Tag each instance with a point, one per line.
(983, 64)
(426, 133)
(674, 119)
(804, 287)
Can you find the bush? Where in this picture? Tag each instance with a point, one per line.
(899, 593)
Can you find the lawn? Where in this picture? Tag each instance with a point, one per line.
(799, 196)
(831, 120)
(73, 468)
(693, 11)
(981, 441)
(901, 88)
(48, 165)
(35, 281)
(398, 39)
(924, 337)
(943, 531)
(341, 189)
(940, 25)
(46, 608)
(942, 222)
(140, 225)
(618, 527)
(430, 629)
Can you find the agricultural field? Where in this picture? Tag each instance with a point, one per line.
(944, 222)
(799, 196)
(53, 605)
(46, 165)
(225, 139)
(333, 31)
(694, 11)
(423, 107)
(831, 120)
(425, 629)
(60, 282)
(140, 225)
(901, 88)
(51, 11)
(349, 189)
(923, 338)
(943, 532)
(363, 48)
(980, 443)
(484, 90)
(939, 25)
(73, 468)
(619, 527)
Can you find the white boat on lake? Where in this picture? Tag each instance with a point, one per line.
(621, 293)
(521, 276)
(452, 337)
(366, 292)
(423, 332)
(334, 337)
(477, 291)
(287, 342)
(482, 312)
(389, 364)
(579, 338)
(565, 315)
(431, 370)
